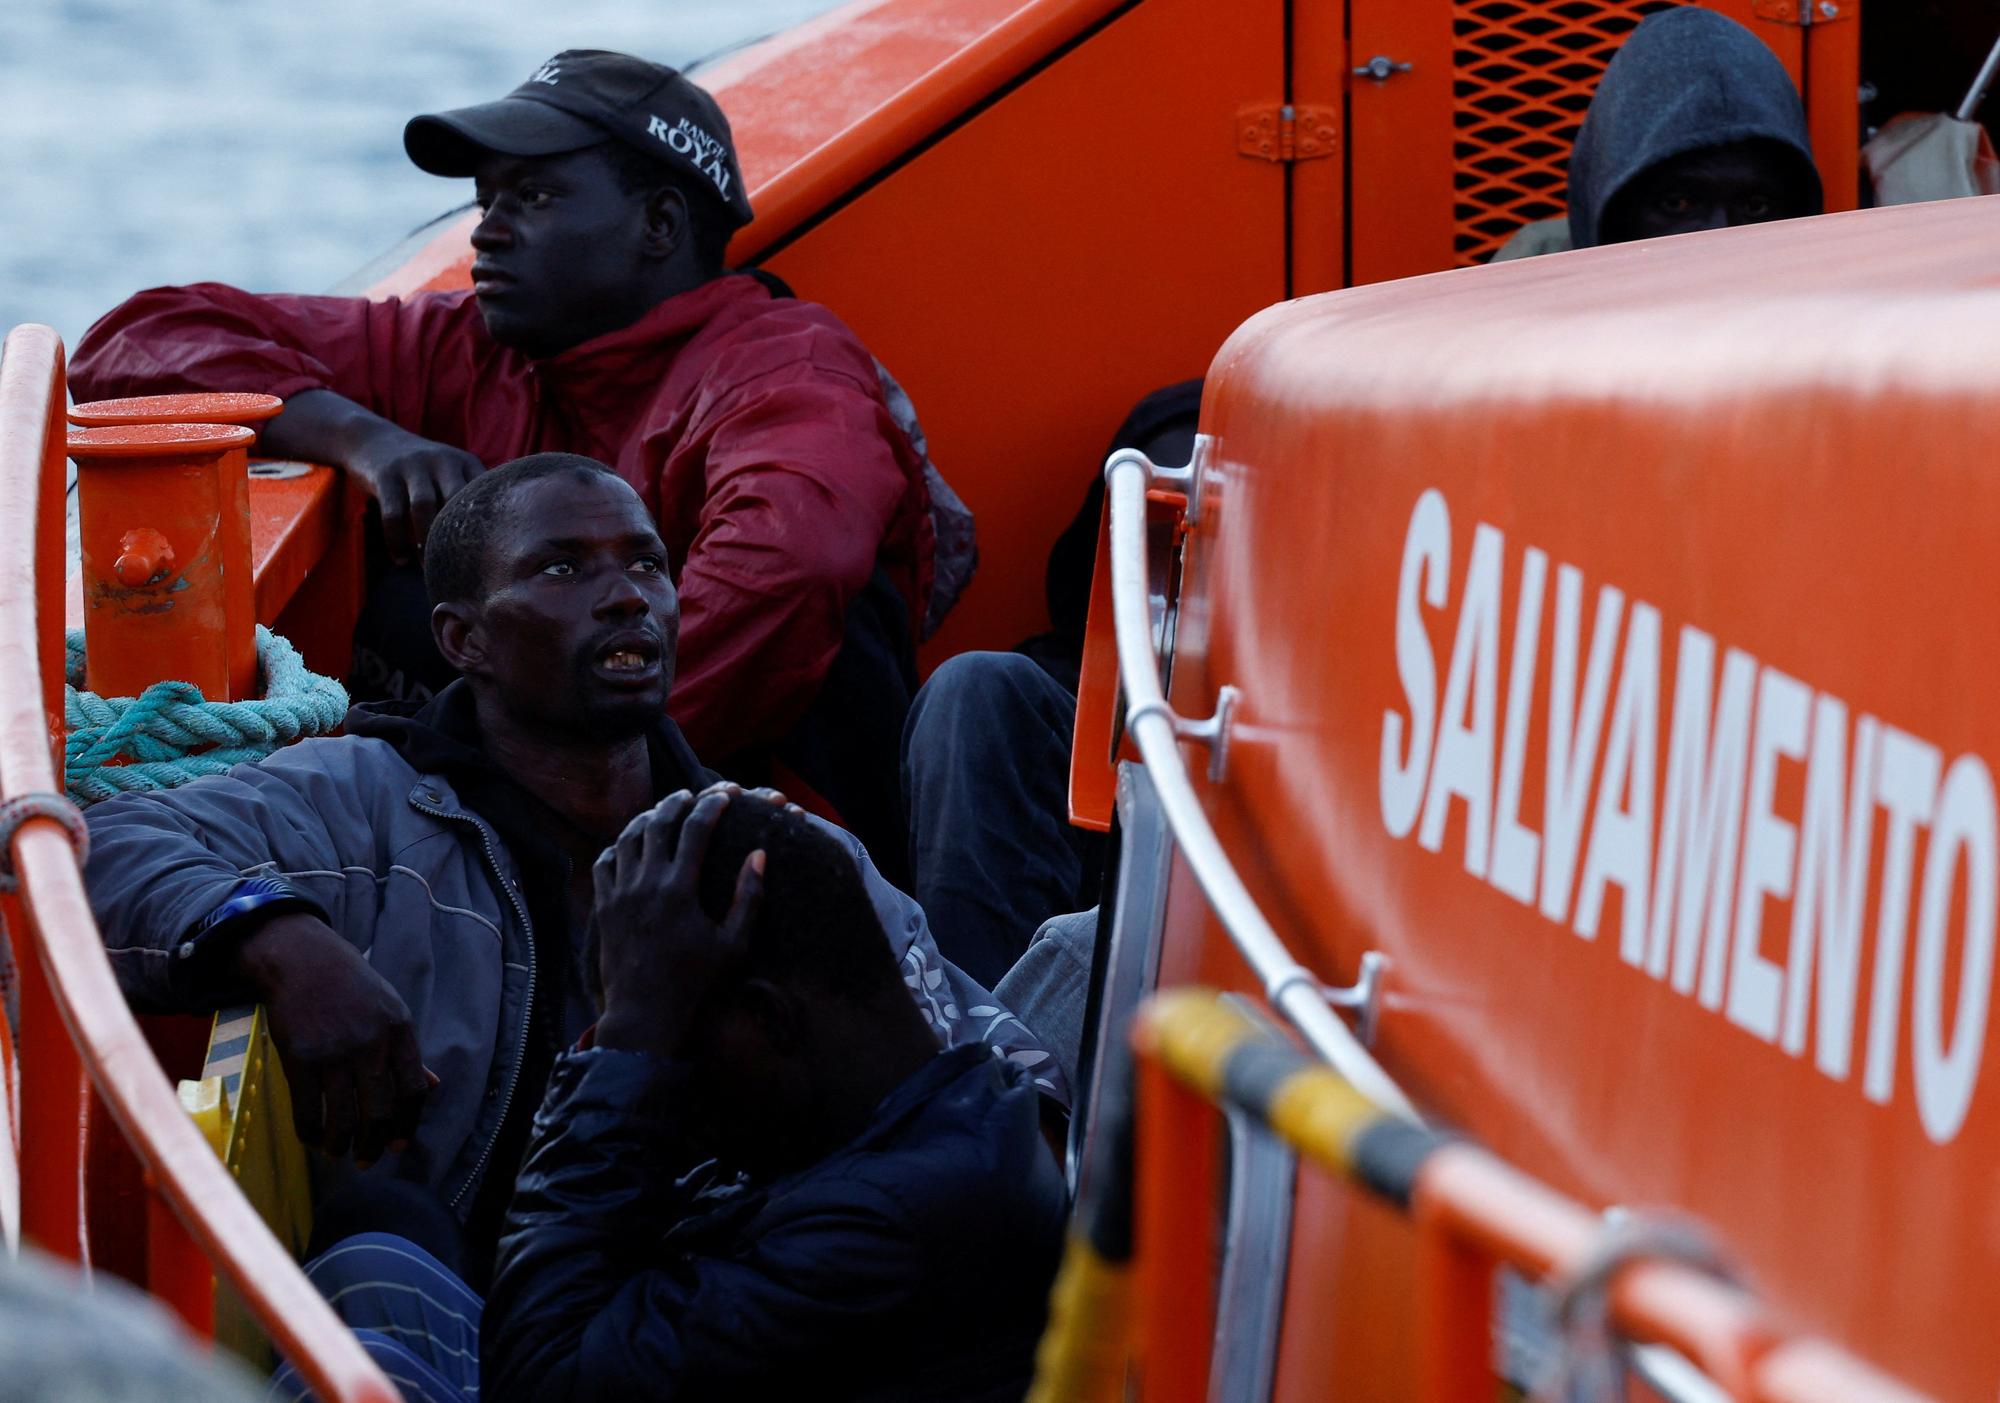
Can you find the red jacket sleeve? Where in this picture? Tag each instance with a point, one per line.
(208, 336)
(802, 485)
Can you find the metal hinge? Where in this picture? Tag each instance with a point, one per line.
(1280, 132)
(1805, 13)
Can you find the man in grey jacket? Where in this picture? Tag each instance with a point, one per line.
(411, 900)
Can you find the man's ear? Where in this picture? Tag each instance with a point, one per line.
(459, 637)
(668, 222)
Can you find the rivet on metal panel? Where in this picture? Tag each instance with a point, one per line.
(1362, 998)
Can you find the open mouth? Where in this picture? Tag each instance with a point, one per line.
(629, 659)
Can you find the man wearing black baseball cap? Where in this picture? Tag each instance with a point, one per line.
(600, 320)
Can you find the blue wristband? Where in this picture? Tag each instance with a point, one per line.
(249, 904)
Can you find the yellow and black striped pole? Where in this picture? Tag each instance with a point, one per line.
(1215, 1050)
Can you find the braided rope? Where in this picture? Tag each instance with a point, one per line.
(18, 810)
(170, 734)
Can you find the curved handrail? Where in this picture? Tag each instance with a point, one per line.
(184, 1170)
(1290, 987)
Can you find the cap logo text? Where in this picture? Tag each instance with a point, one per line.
(708, 155)
(547, 73)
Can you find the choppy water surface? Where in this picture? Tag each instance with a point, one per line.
(259, 142)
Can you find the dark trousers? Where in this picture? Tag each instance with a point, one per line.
(986, 782)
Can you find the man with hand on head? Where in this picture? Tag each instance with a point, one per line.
(601, 320)
(416, 893)
(880, 1219)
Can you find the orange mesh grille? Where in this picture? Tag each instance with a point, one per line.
(1523, 73)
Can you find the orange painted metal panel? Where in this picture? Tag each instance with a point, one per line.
(1762, 457)
(1319, 187)
(1175, 1203)
(1399, 141)
(1086, 238)
(1833, 109)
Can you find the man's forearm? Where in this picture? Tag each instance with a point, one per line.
(322, 426)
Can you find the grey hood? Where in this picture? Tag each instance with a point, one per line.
(1686, 78)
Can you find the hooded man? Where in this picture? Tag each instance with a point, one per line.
(1695, 125)
(601, 320)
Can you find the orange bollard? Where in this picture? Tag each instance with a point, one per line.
(221, 407)
(165, 521)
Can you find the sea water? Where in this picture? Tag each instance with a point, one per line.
(259, 142)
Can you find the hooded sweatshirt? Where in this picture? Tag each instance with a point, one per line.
(1685, 79)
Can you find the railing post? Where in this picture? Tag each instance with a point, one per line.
(177, 1271)
(53, 1087)
(1454, 1308)
(1174, 1183)
(165, 524)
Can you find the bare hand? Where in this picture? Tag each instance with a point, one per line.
(345, 1038)
(658, 952)
(409, 477)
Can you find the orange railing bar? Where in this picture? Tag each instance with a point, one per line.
(59, 939)
(1472, 1212)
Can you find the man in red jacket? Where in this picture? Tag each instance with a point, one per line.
(601, 321)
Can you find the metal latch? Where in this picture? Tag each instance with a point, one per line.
(1805, 13)
(1382, 68)
(1281, 132)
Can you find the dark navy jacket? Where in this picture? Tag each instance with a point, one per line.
(914, 1263)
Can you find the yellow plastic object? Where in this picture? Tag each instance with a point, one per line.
(244, 1107)
(205, 1101)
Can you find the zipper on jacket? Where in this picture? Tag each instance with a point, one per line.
(527, 1006)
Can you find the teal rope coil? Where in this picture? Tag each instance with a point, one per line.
(170, 734)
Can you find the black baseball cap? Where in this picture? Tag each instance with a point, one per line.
(580, 98)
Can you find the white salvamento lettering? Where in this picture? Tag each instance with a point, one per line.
(1963, 829)
(1906, 785)
(1462, 766)
(1705, 857)
(1769, 844)
(1426, 576)
(1621, 831)
(1700, 817)
(1832, 886)
(1574, 724)
(1517, 849)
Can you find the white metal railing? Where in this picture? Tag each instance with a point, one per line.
(1295, 991)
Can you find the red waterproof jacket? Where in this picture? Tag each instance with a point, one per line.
(753, 426)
